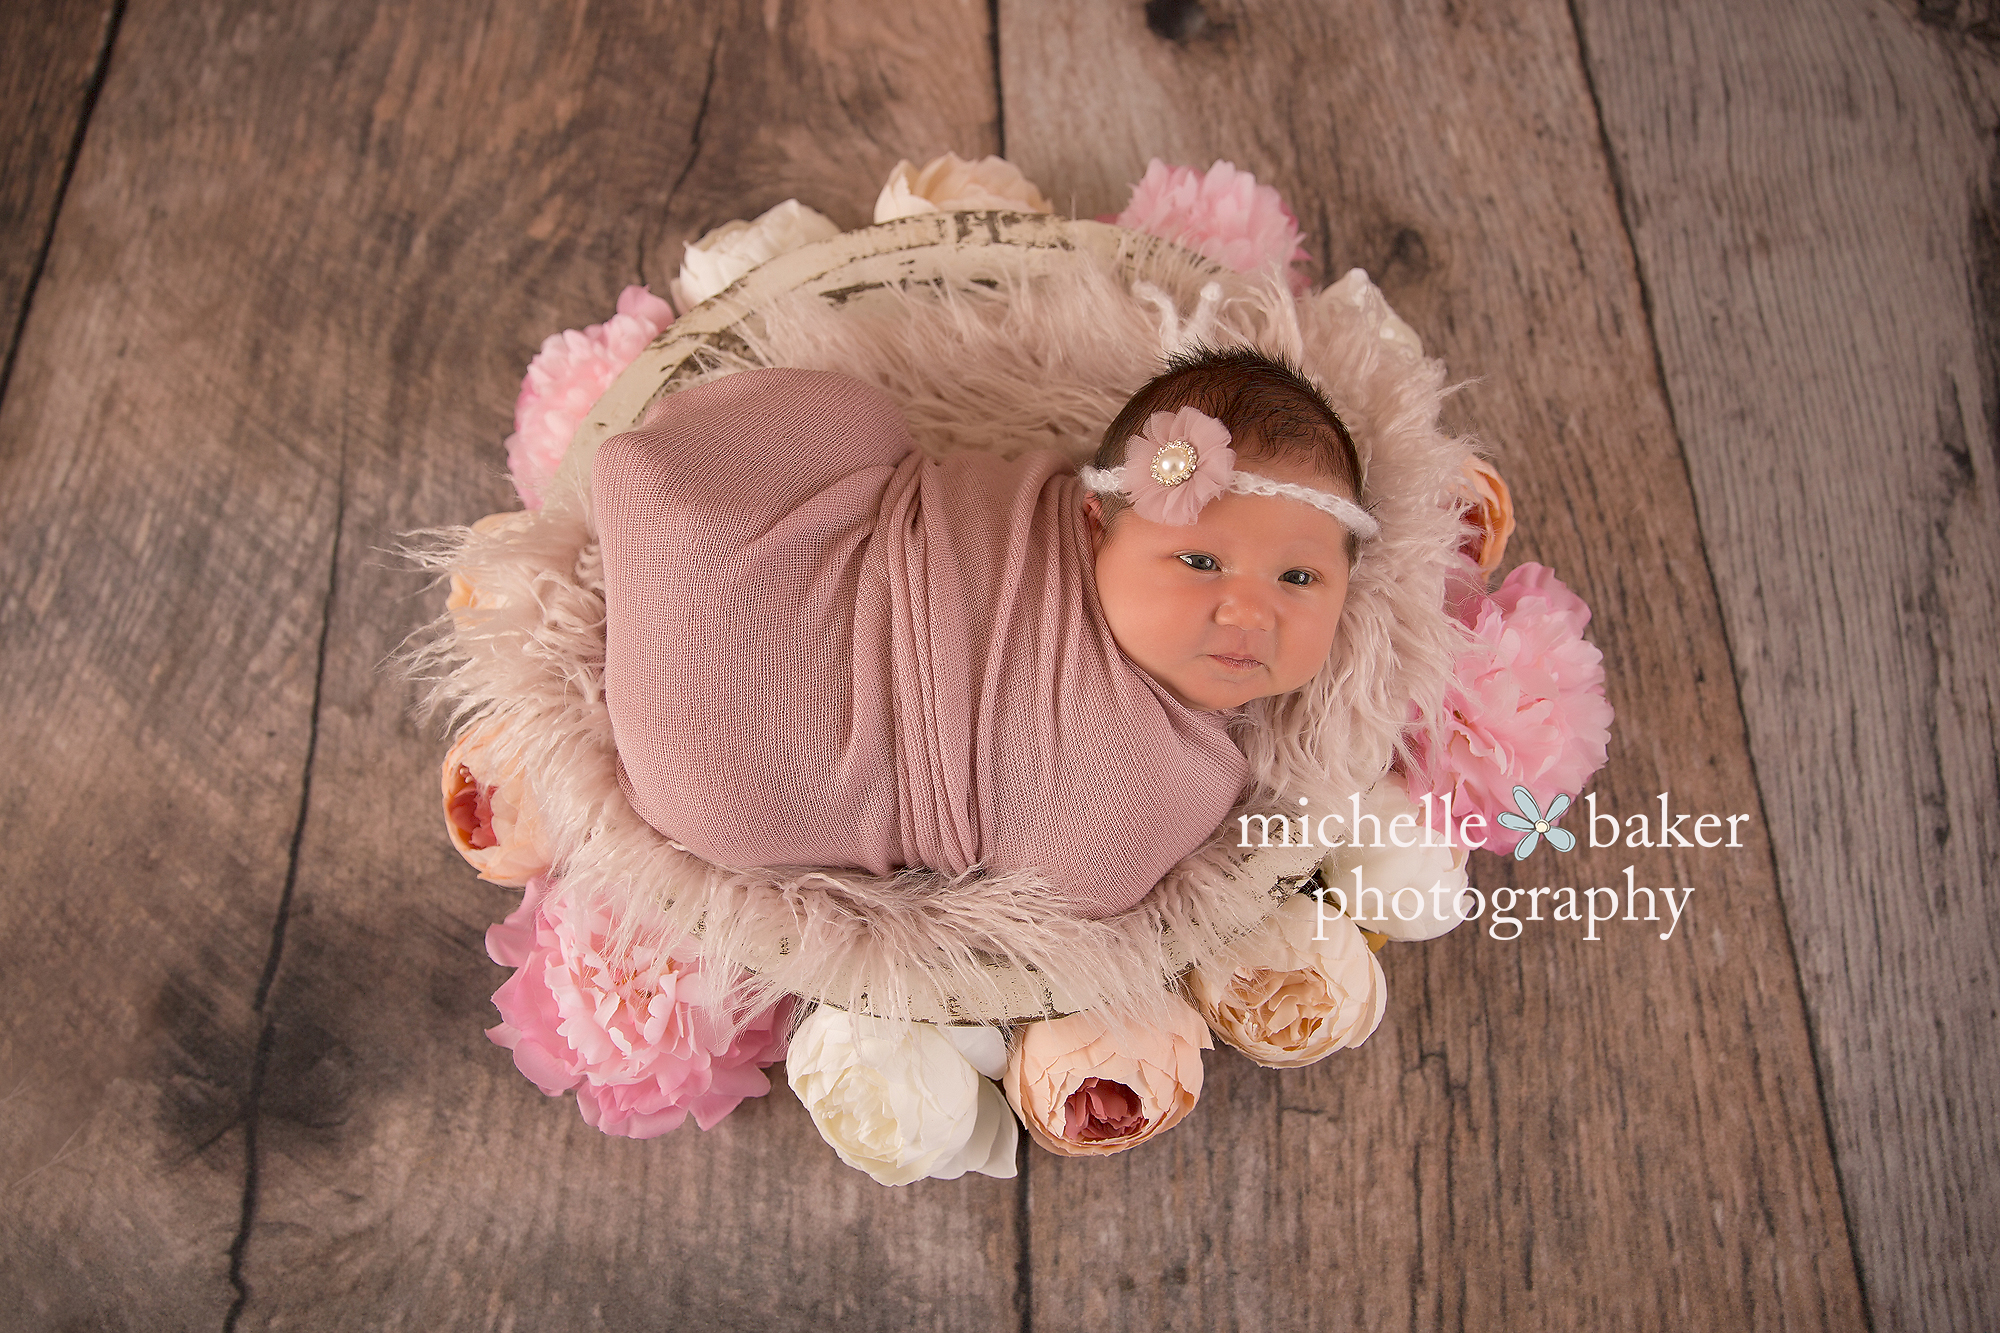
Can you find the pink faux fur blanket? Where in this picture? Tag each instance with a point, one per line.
(823, 648)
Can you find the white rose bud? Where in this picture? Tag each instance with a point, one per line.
(1420, 887)
(898, 1100)
(728, 252)
(950, 184)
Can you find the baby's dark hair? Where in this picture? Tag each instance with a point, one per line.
(1271, 409)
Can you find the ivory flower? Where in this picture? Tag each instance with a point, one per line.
(1222, 214)
(1285, 998)
(950, 184)
(566, 379)
(490, 811)
(898, 1099)
(1526, 704)
(1355, 290)
(1416, 889)
(1084, 1088)
(638, 1034)
(726, 253)
(1492, 514)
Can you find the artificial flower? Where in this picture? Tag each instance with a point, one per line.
(465, 595)
(1434, 871)
(1491, 514)
(1355, 290)
(1525, 706)
(1222, 214)
(1295, 990)
(1179, 503)
(726, 253)
(900, 1100)
(490, 809)
(566, 379)
(950, 184)
(638, 1033)
(1085, 1087)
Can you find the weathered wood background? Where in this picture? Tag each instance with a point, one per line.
(1726, 278)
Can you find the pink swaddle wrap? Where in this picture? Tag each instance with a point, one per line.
(823, 648)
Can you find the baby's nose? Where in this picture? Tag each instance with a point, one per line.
(1245, 608)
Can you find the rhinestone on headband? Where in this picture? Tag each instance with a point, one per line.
(1175, 462)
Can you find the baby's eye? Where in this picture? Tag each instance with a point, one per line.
(1196, 560)
(1303, 578)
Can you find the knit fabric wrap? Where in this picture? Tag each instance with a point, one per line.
(824, 648)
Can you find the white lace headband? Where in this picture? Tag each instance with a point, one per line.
(1192, 463)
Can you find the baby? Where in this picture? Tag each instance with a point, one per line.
(825, 649)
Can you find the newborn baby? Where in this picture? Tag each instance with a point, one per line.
(825, 649)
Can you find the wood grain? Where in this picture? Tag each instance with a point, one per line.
(1547, 1133)
(517, 170)
(1823, 261)
(170, 484)
(50, 56)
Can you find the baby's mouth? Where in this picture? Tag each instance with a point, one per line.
(1237, 663)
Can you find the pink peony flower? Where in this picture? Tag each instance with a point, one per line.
(1526, 706)
(1223, 214)
(639, 1036)
(566, 379)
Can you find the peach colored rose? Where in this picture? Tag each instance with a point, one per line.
(1285, 998)
(1492, 514)
(464, 596)
(950, 184)
(489, 809)
(1084, 1088)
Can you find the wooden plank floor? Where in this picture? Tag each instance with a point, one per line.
(1729, 290)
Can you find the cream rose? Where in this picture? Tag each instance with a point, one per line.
(728, 252)
(1354, 289)
(1285, 998)
(900, 1100)
(950, 184)
(1406, 893)
(1085, 1088)
(490, 810)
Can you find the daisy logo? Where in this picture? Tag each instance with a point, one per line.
(1534, 825)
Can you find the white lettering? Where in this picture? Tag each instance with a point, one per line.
(1675, 908)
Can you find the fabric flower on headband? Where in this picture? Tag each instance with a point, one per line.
(1182, 460)
(1177, 464)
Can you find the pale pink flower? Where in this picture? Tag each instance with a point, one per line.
(1222, 214)
(1526, 706)
(1170, 444)
(638, 1035)
(566, 379)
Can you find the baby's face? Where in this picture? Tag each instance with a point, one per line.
(1241, 604)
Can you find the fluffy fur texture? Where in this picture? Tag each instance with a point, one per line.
(1028, 362)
